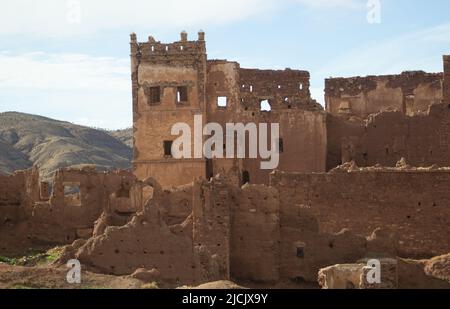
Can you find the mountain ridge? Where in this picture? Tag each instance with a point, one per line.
(27, 140)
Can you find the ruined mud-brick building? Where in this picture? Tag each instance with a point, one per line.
(371, 120)
(173, 82)
(33, 211)
(380, 119)
(169, 221)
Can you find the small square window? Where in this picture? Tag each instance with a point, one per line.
(182, 94)
(222, 101)
(168, 148)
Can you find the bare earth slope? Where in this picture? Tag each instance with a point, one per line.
(27, 140)
(125, 136)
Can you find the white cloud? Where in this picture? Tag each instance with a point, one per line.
(333, 4)
(57, 17)
(39, 70)
(94, 91)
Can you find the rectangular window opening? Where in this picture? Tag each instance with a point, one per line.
(168, 148)
(182, 94)
(155, 95)
(72, 194)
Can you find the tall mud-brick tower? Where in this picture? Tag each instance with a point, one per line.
(168, 88)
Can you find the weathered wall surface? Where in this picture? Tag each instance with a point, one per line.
(158, 72)
(409, 93)
(301, 120)
(68, 216)
(413, 204)
(17, 191)
(195, 251)
(255, 234)
(386, 137)
(447, 79)
(79, 196)
(212, 230)
(166, 67)
(288, 231)
(288, 89)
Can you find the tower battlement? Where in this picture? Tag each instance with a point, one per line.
(156, 51)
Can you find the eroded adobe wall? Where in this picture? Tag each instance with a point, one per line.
(146, 242)
(194, 251)
(12, 197)
(255, 234)
(409, 92)
(288, 89)
(275, 240)
(386, 137)
(301, 120)
(412, 204)
(69, 215)
(166, 67)
(447, 79)
(212, 230)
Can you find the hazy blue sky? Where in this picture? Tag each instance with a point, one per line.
(75, 67)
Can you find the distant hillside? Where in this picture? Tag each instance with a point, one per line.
(125, 136)
(27, 140)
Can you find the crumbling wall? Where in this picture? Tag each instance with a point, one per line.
(145, 242)
(255, 234)
(212, 230)
(410, 204)
(446, 79)
(79, 197)
(12, 189)
(302, 121)
(288, 89)
(304, 248)
(31, 215)
(195, 251)
(222, 93)
(386, 137)
(409, 93)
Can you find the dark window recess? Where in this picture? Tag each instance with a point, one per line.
(245, 177)
(301, 253)
(182, 94)
(209, 169)
(154, 95)
(281, 145)
(168, 148)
